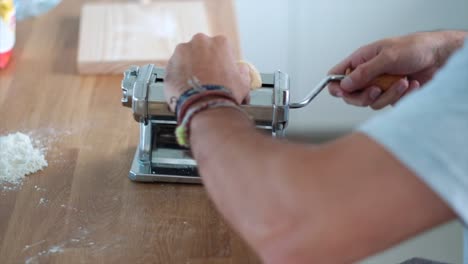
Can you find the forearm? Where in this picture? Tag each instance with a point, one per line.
(301, 204)
(237, 165)
(358, 200)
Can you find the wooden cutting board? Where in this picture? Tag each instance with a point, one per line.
(114, 36)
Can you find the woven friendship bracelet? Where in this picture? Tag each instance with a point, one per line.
(200, 96)
(201, 89)
(183, 130)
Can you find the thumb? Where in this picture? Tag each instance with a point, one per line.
(365, 73)
(250, 72)
(244, 71)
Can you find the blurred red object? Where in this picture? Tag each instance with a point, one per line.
(4, 59)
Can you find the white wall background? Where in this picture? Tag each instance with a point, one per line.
(307, 37)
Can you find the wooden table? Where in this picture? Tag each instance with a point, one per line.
(83, 208)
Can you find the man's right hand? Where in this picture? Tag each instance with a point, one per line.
(417, 56)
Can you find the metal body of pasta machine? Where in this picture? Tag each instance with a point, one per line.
(158, 157)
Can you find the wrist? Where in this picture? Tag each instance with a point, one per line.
(199, 107)
(217, 117)
(224, 122)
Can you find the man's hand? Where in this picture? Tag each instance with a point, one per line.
(417, 56)
(211, 61)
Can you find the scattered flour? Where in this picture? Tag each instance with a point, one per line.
(18, 158)
(33, 245)
(80, 239)
(55, 249)
(52, 250)
(46, 140)
(43, 201)
(39, 189)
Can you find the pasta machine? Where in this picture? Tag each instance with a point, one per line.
(158, 157)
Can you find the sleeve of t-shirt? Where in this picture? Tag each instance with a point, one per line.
(428, 132)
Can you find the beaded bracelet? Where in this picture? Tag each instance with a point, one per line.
(183, 130)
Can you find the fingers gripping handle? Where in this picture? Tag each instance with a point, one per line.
(384, 82)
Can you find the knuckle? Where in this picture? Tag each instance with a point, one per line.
(385, 44)
(361, 72)
(390, 55)
(199, 37)
(364, 48)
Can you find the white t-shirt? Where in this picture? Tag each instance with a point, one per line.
(428, 132)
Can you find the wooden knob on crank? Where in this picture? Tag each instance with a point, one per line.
(384, 81)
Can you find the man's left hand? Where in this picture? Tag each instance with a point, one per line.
(210, 60)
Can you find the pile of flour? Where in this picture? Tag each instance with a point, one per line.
(18, 158)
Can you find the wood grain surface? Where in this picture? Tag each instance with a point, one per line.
(114, 36)
(90, 212)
